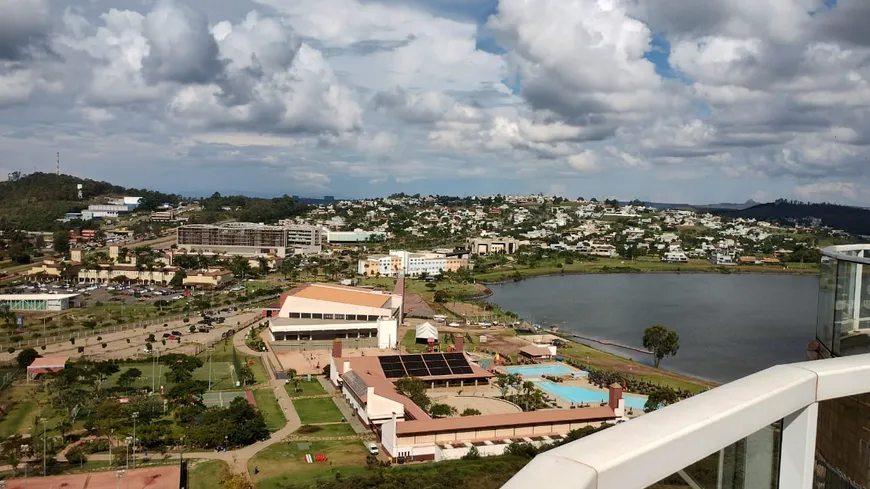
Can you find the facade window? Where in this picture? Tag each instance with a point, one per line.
(294, 315)
(350, 317)
(373, 318)
(317, 315)
(339, 316)
(327, 316)
(306, 315)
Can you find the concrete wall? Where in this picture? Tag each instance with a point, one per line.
(300, 305)
(388, 333)
(380, 408)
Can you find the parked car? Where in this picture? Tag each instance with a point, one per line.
(176, 333)
(166, 335)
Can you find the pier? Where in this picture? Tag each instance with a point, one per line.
(608, 343)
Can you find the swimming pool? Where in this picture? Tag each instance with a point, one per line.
(576, 394)
(541, 370)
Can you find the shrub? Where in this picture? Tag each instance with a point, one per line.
(72, 341)
(99, 338)
(11, 349)
(42, 347)
(105, 345)
(308, 428)
(163, 341)
(89, 324)
(472, 454)
(81, 349)
(76, 455)
(128, 340)
(186, 320)
(16, 338)
(96, 446)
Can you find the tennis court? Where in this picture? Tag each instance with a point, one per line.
(223, 375)
(224, 398)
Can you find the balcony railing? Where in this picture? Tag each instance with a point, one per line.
(770, 417)
(843, 325)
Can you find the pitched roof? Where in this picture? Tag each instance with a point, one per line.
(536, 351)
(491, 421)
(426, 330)
(342, 294)
(48, 362)
(359, 381)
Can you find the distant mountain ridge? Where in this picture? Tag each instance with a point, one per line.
(729, 206)
(854, 220)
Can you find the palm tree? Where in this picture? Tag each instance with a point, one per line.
(528, 388)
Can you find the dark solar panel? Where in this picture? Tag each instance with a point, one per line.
(436, 357)
(418, 372)
(462, 370)
(457, 363)
(415, 366)
(450, 356)
(440, 371)
(441, 364)
(412, 358)
(394, 374)
(390, 359)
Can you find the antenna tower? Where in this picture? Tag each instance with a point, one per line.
(58, 162)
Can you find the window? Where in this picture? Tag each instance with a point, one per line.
(350, 317)
(294, 315)
(317, 315)
(373, 318)
(306, 315)
(339, 316)
(327, 316)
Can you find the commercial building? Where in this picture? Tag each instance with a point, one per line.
(409, 264)
(40, 302)
(355, 236)
(213, 277)
(249, 239)
(407, 432)
(796, 426)
(311, 316)
(486, 246)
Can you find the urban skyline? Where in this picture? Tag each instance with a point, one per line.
(352, 98)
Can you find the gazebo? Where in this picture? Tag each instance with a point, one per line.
(427, 333)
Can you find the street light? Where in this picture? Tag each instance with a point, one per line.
(43, 445)
(135, 416)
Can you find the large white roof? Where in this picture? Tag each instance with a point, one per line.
(427, 330)
(35, 297)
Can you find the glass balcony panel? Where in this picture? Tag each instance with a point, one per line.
(751, 463)
(827, 293)
(850, 329)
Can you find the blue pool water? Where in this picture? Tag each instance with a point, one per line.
(541, 370)
(577, 394)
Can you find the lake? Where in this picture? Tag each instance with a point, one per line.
(730, 325)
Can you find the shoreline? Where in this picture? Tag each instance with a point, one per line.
(617, 271)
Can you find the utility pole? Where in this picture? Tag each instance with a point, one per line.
(58, 162)
(210, 350)
(135, 415)
(43, 446)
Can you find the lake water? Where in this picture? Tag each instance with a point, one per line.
(729, 325)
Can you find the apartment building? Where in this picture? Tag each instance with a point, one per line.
(250, 239)
(410, 264)
(485, 246)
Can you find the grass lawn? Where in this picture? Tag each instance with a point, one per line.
(283, 463)
(607, 361)
(221, 375)
(317, 410)
(312, 388)
(329, 430)
(409, 342)
(268, 405)
(205, 474)
(20, 416)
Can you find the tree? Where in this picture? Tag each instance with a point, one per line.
(472, 454)
(442, 410)
(661, 341)
(129, 377)
(76, 456)
(60, 242)
(503, 384)
(26, 357)
(178, 279)
(660, 398)
(441, 296)
(415, 390)
(470, 412)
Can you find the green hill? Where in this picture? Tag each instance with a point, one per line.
(854, 220)
(34, 202)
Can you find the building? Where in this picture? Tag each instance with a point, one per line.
(675, 257)
(426, 333)
(165, 477)
(485, 246)
(40, 302)
(44, 365)
(802, 425)
(249, 239)
(163, 216)
(355, 236)
(538, 352)
(410, 264)
(213, 277)
(313, 315)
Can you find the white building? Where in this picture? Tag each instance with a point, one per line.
(319, 313)
(410, 264)
(675, 257)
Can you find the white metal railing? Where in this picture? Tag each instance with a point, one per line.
(643, 451)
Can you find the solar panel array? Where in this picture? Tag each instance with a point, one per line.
(429, 365)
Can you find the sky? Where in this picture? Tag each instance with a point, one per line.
(661, 100)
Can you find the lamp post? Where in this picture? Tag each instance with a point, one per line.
(43, 445)
(110, 446)
(135, 416)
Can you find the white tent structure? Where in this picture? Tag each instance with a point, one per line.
(425, 332)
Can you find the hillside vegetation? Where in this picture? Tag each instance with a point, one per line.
(34, 202)
(854, 220)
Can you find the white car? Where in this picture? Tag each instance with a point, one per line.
(373, 447)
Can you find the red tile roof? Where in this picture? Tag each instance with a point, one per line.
(494, 421)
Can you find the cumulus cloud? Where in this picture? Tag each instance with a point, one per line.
(24, 29)
(831, 191)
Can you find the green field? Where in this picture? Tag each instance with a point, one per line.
(205, 474)
(334, 429)
(268, 405)
(222, 377)
(312, 388)
(283, 464)
(19, 415)
(317, 410)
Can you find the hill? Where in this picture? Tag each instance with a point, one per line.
(34, 202)
(854, 220)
